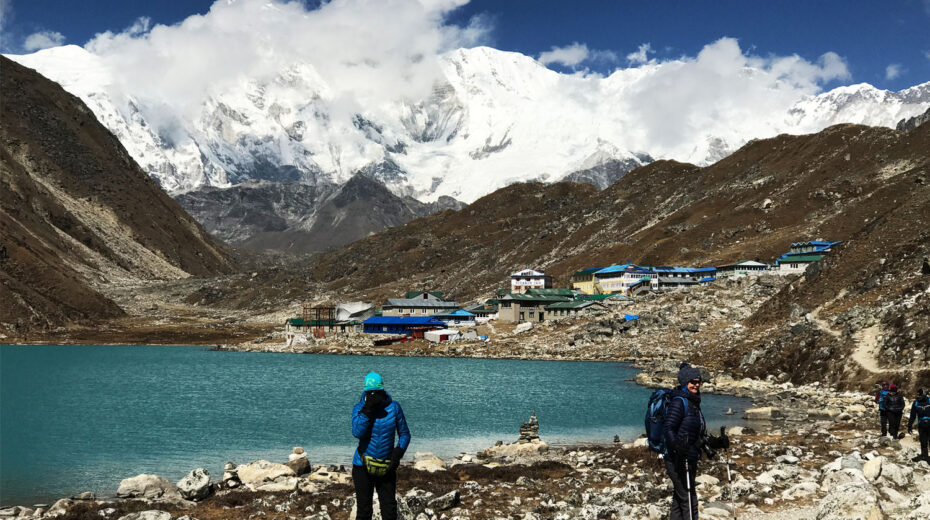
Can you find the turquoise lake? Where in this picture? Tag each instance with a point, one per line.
(82, 418)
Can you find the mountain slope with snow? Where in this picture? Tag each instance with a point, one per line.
(495, 118)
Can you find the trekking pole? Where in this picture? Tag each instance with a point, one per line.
(730, 486)
(729, 481)
(688, 486)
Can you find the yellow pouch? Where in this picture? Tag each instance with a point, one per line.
(376, 467)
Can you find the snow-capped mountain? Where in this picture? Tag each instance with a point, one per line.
(494, 118)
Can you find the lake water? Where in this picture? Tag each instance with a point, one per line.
(82, 418)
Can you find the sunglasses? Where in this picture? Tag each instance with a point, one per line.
(694, 382)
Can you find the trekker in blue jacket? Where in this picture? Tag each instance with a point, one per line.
(685, 437)
(375, 418)
(880, 397)
(920, 412)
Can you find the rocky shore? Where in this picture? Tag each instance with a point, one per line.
(811, 453)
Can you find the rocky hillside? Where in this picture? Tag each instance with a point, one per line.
(865, 186)
(77, 213)
(301, 218)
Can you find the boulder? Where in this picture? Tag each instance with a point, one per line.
(147, 515)
(447, 501)
(900, 475)
(766, 413)
(873, 468)
(426, 461)
(517, 449)
(195, 485)
(300, 465)
(850, 501)
(262, 475)
(147, 486)
(60, 507)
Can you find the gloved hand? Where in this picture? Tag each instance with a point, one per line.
(372, 403)
(680, 447)
(719, 443)
(396, 454)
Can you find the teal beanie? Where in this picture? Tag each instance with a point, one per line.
(373, 382)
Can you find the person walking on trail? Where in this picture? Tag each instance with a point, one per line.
(882, 413)
(920, 412)
(894, 408)
(685, 433)
(375, 419)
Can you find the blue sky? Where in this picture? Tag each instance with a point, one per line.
(883, 43)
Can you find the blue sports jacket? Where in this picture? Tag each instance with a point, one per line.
(687, 425)
(920, 412)
(376, 436)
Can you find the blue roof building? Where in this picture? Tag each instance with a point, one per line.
(401, 324)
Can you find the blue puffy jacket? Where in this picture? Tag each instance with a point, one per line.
(376, 436)
(681, 424)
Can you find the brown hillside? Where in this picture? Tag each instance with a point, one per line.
(752, 204)
(76, 212)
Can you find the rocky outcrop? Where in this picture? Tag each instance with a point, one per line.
(147, 486)
(262, 475)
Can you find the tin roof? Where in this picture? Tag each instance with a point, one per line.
(419, 302)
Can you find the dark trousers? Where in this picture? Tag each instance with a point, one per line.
(894, 423)
(365, 485)
(676, 472)
(884, 417)
(924, 431)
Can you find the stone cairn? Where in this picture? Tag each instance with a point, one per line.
(298, 461)
(230, 475)
(529, 430)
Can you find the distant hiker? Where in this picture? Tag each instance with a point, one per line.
(375, 418)
(894, 407)
(685, 435)
(880, 400)
(920, 412)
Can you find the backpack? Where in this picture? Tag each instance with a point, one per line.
(923, 412)
(656, 411)
(881, 399)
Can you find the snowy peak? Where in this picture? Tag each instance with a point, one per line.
(493, 118)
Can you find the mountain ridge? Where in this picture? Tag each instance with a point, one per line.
(496, 118)
(78, 214)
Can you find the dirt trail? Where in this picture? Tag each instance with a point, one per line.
(866, 341)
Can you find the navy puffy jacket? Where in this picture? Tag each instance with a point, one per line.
(376, 436)
(684, 425)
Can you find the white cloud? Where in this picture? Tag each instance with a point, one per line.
(641, 55)
(893, 71)
(367, 52)
(574, 55)
(570, 55)
(722, 91)
(43, 40)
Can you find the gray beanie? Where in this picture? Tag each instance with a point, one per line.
(686, 373)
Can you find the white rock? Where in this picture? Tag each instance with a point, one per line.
(851, 501)
(707, 480)
(262, 475)
(147, 515)
(147, 486)
(195, 485)
(873, 468)
(426, 461)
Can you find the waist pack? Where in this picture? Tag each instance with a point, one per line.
(376, 467)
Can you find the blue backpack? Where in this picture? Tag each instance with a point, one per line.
(881, 399)
(655, 416)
